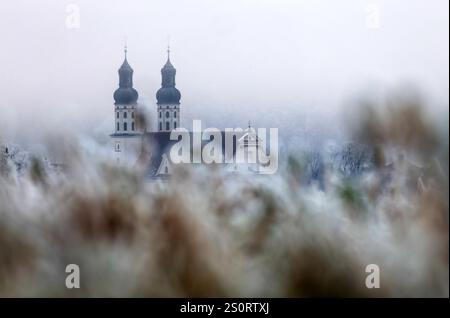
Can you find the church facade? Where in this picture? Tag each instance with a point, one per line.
(132, 143)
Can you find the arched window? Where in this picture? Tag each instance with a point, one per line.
(167, 114)
(160, 126)
(124, 114)
(175, 125)
(125, 126)
(132, 126)
(118, 127)
(174, 114)
(167, 126)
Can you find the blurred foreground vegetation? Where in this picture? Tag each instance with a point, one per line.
(309, 230)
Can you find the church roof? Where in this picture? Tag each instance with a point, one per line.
(156, 144)
(168, 93)
(125, 94)
(125, 66)
(168, 65)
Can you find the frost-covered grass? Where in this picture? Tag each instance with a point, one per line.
(208, 233)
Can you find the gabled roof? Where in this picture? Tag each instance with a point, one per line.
(156, 144)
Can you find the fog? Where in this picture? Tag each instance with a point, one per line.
(276, 63)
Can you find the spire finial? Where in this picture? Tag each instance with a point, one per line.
(168, 47)
(249, 124)
(125, 47)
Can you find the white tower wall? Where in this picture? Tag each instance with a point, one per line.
(168, 117)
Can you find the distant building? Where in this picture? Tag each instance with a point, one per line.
(126, 138)
(133, 144)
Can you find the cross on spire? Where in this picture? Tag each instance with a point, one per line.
(125, 48)
(168, 47)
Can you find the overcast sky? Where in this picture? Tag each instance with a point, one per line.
(266, 61)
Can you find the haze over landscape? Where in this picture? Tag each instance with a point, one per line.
(351, 182)
(277, 63)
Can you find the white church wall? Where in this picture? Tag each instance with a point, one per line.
(126, 149)
(121, 118)
(172, 118)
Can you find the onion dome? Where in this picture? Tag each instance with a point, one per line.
(168, 93)
(125, 94)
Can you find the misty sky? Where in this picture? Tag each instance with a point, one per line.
(267, 61)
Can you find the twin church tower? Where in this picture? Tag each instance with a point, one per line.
(127, 135)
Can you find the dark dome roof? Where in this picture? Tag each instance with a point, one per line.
(125, 66)
(125, 95)
(168, 95)
(168, 66)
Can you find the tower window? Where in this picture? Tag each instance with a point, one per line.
(117, 116)
(118, 126)
(125, 115)
(132, 126)
(160, 114)
(125, 127)
(167, 126)
(167, 114)
(175, 125)
(160, 126)
(174, 114)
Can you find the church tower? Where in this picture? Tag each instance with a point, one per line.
(126, 136)
(168, 98)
